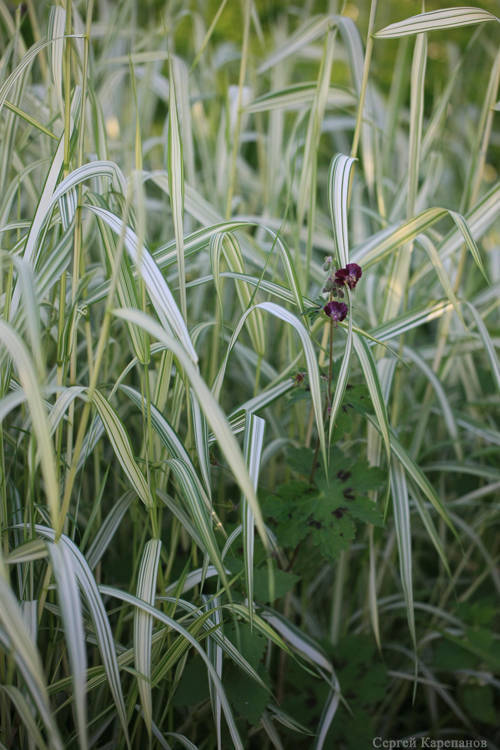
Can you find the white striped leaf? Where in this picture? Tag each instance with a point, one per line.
(129, 292)
(16, 638)
(161, 296)
(217, 635)
(25, 711)
(215, 654)
(327, 716)
(297, 639)
(107, 529)
(213, 413)
(17, 350)
(338, 192)
(373, 384)
(445, 18)
(102, 627)
(56, 28)
(307, 33)
(176, 182)
(35, 549)
(201, 439)
(143, 625)
(201, 515)
(401, 508)
(310, 356)
(166, 620)
(410, 320)
(71, 609)
(416, 475)
(25, 63)
(340, 386)
(65, 193)
(488, 343)
(225, 243)
(299, 96)
(252, 451)
(120, 441)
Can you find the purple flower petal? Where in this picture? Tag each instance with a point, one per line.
(337, 311)
(348, 276)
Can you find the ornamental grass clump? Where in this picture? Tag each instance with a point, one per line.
(246, 491)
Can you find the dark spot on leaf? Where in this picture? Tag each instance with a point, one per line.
(343, 475)
(316, 524)
(349, 387)
(349, 493)
(339, 512)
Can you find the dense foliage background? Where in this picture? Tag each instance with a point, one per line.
(227, 518)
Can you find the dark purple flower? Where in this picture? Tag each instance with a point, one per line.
(336, 310)
(349, 275)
